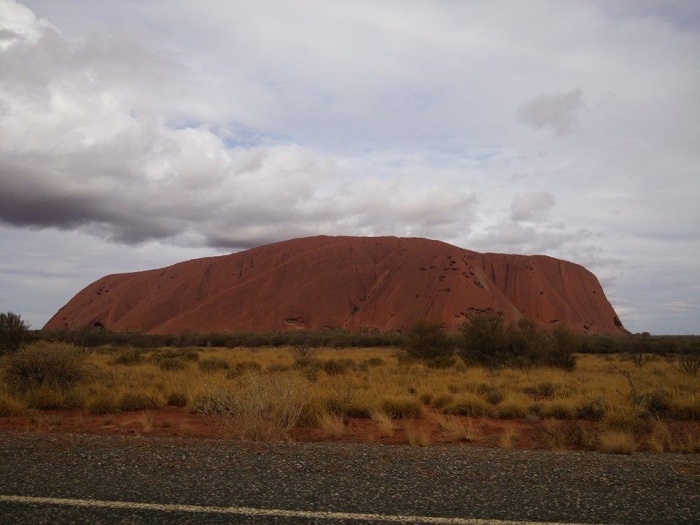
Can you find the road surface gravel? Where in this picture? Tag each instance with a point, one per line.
(439, 481)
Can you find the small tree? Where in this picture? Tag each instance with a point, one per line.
(484, 340)
(566, 344)
(429, 341)
(527, 344)
(13, 331)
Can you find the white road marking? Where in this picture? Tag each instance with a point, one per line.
(280, 513)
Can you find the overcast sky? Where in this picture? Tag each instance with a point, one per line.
(135, 134)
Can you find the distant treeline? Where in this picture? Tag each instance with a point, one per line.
(590, 344)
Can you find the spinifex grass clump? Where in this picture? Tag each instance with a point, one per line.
(268, 407)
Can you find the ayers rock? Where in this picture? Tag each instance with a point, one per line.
(350, 283)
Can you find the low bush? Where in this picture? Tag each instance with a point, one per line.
(429, 341)
(171, 364)
(103, 403)
(276, 368)
(469, 405)
(134, 401)
(45, 398)
(56, 366)
(401, 407)
(13, 332)
(214, 401)
(689, 362)
(334, 367)
(177, 399)
(244, 367)
(511, 409)
(617, 442)
(128, 357)
(494, 396)
(213, 364)
(10, 406)
(374, 361)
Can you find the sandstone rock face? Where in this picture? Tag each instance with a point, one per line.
(350, 283)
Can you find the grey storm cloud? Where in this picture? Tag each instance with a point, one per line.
(558, 111)
(85, 145)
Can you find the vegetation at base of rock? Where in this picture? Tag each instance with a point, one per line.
(598, 404)
(428, 341)
(487, 340)
(13, 332)
(57, 367)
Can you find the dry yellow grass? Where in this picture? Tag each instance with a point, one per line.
(455, 428)
(384, 423)
(617, 442)
(508, 437)
(332, 426)
(364, 382)
(416, 434)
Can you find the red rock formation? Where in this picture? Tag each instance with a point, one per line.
(349, 283)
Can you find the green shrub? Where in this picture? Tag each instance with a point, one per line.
(565, 345)
(488, 341)
(484, 340)
(428, 340)
(13, 332)
(56, 366)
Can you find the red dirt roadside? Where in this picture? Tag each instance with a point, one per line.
(175, 421)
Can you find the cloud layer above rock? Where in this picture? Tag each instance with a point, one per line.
(568, 129)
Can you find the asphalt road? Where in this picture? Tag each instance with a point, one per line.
(63, 478)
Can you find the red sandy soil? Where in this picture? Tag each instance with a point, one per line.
(180, 422)
(348, 283)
